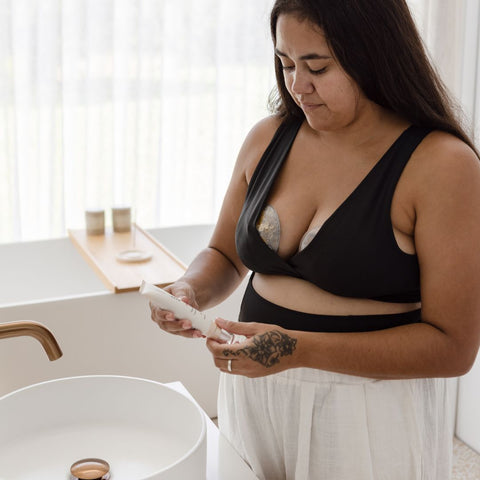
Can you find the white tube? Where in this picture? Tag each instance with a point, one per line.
(199, 320)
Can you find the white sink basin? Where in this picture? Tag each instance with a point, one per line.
(143, 429)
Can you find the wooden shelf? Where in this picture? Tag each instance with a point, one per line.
(100, 251)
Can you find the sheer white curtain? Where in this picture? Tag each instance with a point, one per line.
(146, 102)
(140, 102)
(451, 31)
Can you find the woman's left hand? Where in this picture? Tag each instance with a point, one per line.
(266, 349)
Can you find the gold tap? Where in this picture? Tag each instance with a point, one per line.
(35, 330)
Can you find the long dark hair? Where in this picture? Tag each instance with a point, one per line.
(378, 45)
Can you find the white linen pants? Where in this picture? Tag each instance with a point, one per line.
(307, 424)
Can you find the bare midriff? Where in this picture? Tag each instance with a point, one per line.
(302, 296)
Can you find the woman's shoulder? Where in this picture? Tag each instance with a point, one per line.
(443, 152)
(443, 162)
(264, 130)
(257, 141)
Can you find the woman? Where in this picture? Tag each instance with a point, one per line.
(357, 207)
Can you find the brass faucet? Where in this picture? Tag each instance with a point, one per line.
(35, 330)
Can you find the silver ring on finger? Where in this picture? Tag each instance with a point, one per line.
(229, 366)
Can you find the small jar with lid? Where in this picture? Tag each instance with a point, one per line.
(95, 221)
(121, 219)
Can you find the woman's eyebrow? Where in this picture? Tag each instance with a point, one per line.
(308, 56)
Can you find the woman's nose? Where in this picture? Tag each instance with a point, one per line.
(301, 83)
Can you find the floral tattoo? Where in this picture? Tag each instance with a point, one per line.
(267, 348)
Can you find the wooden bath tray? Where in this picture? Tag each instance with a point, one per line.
(100, 251)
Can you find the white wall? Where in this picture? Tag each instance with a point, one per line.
(468, 407)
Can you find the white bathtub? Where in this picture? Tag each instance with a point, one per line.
(98, 331)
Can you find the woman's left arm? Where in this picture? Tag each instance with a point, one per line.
(445, 194)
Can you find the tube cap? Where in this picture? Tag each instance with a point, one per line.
(223, 335)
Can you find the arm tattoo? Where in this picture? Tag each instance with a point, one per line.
(267, 348)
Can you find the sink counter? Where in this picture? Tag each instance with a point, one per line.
(223, 462)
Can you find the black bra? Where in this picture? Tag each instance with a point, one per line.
(354, 254)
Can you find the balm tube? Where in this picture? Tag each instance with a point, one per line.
(199, 320)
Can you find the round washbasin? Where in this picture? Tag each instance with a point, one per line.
(142, 429)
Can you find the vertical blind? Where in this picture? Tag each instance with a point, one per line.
(146, 103)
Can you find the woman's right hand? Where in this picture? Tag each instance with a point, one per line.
(166, 319)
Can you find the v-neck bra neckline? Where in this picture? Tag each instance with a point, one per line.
(354, 253)
(336, 212)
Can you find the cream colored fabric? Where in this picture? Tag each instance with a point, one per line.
(306, 424)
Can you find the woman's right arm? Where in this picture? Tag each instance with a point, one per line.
(217, 270)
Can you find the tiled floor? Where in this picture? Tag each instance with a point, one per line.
(466, 462)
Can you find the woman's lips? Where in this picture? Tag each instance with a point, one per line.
(307, 107)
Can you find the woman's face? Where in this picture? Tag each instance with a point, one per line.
(330, 99)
